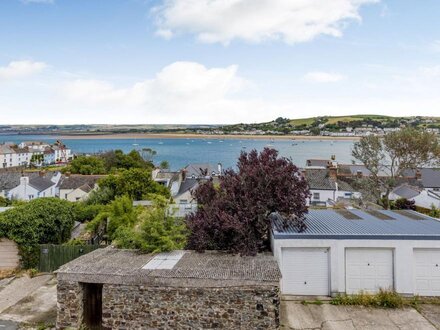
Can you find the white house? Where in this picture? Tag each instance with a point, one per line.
(326, 188)
(344, 251)
(35, 187)
(77, 187)
(422, 197)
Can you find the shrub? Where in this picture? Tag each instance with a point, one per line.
(40, 221)
(384, 298)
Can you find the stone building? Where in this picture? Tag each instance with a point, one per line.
(122, 289)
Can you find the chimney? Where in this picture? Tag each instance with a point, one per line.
(220, 168)
(333, 172)
(418, 174)
(359, 174)
(24, 180)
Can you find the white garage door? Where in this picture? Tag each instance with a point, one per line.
(427, 272)
(368, 270)
(305, 271)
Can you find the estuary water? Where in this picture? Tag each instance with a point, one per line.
(181, 151)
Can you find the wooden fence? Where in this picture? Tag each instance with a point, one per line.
(54, 256)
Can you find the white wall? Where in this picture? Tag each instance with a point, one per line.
(402, 250)
(73, 195)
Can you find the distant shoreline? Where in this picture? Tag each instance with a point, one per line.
(133, 136)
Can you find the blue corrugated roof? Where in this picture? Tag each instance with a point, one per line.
(332, 225)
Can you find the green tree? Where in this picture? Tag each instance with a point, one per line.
(40, 221)
(388, 158)
(4, 202)
(117, 160)
(164, 165)
(135, 183)
(86, 165)
(156, 231)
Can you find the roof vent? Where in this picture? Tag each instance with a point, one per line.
(379, 215)
(165, 260)
(348, 215)
(411, 215)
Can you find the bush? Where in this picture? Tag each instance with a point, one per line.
(40, 221)
(384, 298)
(155, 231)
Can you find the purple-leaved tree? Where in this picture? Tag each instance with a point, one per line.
(234, 215)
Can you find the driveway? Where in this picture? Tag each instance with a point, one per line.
(26, 300)
(298, 316)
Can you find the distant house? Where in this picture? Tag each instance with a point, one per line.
(35, 187)
(33, 153)
(422, 197)
(202, 170)
(183, 183)
(326, 188)
(77, 187)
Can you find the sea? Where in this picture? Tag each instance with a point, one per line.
(180, 152)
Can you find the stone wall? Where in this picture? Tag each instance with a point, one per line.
(9, 256)
(70, 305)
(145, 307)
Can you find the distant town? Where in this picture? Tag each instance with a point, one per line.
(331, 126)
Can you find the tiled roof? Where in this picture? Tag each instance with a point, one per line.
(333, 224)
(111, 265)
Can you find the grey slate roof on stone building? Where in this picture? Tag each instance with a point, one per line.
(332, 224)
(216, 269)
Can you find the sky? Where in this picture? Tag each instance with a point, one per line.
(216, 61)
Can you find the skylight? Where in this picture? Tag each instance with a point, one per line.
(165, 260)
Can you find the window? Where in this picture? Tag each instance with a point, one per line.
(183, 201)
(316, 196)
(348, 194)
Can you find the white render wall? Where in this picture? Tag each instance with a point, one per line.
(402, 253)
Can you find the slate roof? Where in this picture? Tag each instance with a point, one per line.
(406, 191)
(319, 179)
(4, 149)
(430, 177)
(187, 184)
(332, 224)
(215, 269)
(77, 181)
(196, 169)
(40, 183)
(11, 179)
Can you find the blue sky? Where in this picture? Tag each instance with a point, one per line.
(222, 61)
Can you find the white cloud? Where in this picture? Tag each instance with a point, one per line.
(323, 77)
(21, 69)
(180, 92)
(291, 21)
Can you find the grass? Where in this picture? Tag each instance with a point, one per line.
(312, 302)
(302, 121)
(383, 299)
